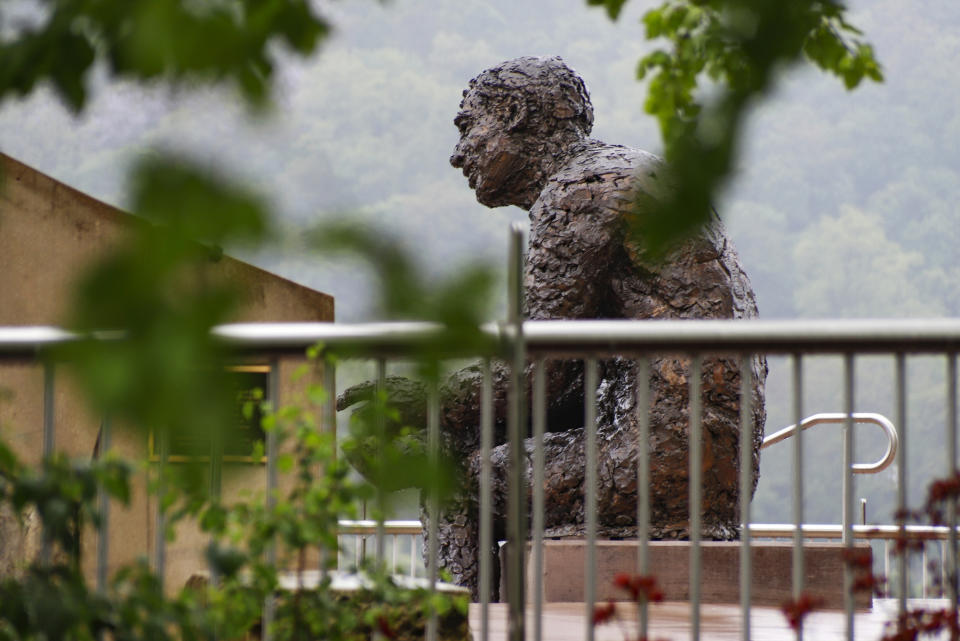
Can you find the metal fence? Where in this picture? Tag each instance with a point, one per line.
(592, 340)
(518, 341)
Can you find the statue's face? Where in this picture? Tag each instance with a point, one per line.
(491, 158)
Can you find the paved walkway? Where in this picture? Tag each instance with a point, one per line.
(671, 621)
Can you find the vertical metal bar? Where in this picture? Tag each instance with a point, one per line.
(643, 482)
(486, 525)
(952, 472)
(900, 381)
(160, 538)
(216, 484)
(413, 557)
(103, 529)
(49, 437)
(273, 383)
(696, 457)
(381, 436)
(517, 503)
(798, 483)
(848, 440)
(395, 554)
(329, 423)
(923, 571)
(943, 570)
(216, 461)
(329, 418)
(539, 427)
(590, 489)
(746, 488)
(886, 558)
(433, 449)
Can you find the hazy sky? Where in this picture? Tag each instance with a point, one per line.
(364, 129)
(845, 205)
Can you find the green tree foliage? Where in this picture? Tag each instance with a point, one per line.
(854, 270)
(701, 85)
(723, 55)
(50, 598)
(145, 312)
(226, 40)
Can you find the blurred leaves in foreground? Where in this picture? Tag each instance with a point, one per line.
(459, 303)
(50, 598)
(147, 306)
(721, 57)
(171, 40)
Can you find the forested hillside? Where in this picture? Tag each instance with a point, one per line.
(845, 205)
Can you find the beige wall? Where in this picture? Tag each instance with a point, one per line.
(48, 233)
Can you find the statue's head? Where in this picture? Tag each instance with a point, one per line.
(516, 121)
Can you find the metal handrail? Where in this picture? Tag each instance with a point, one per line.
(568, 338)
(391, 528)
(835, 531)
(888, 531)
(893, 442)
(521, 341)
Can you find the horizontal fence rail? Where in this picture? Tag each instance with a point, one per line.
(518, 342)
(563, 338)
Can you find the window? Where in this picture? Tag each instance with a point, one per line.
(251, 384)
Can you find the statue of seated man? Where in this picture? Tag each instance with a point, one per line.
(524, 140)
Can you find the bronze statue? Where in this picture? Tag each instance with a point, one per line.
(524, 140)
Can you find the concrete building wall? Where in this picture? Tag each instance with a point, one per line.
(49, 233)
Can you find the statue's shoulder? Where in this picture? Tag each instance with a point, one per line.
(614, 168)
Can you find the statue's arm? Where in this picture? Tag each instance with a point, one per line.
(576, 241)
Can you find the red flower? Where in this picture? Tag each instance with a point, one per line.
(796, 610)
(641, 588)
(604, 612)
(622, 581)
(385, 628)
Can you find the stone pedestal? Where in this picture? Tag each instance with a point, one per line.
(772, 563)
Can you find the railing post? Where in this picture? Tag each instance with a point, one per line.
(49, 437)
(486, 533)
(590, 489)
(643, 482)
(273, 382)
(216, 485)
(329, 422)
(901, 413)
(160, 536)
(516, 504)
(695, 447)
(433, 451)
(746, 487)
(797, 578)
(847, 519)
(381, 427)
(103, 528)
(952, 591)
(539, 427)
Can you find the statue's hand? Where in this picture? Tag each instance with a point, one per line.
(406, 408)
(406, 398)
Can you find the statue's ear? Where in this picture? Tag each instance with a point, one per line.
(516, 115)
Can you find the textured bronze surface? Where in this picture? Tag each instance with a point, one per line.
(524, 128)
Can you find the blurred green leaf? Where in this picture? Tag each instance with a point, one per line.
(179, 41)
(735, 48)
(612, 7)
